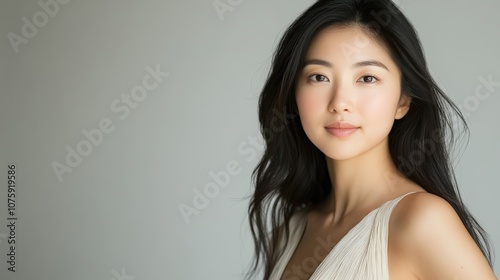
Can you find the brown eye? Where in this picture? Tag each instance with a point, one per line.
(318, 78)
(368, 79)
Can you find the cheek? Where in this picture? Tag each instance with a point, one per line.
(309, 104)
(379, 109)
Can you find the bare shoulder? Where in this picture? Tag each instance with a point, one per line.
(428, 237)
(416, 212)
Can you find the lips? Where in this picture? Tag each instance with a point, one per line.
(341, 129)
(341, 125)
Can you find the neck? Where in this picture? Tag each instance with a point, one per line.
(361, 181)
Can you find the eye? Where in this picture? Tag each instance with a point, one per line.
(368, 79)
(318, 78)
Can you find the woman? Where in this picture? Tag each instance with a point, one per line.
(357, 183)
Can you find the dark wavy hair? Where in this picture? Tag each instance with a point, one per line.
(292, 172)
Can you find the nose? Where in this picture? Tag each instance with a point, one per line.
(340, 100)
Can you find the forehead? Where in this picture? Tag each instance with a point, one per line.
(348, 44)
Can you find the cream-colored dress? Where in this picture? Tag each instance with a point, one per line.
(360, 254)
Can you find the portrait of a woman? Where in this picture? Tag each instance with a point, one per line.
(359, 184)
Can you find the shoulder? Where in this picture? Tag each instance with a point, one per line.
(417, 211)
(298, 217)
(426, 233)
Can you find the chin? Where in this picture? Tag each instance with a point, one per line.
(340, 155)
(339, 158)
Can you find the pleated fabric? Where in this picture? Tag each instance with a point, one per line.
(360, 254)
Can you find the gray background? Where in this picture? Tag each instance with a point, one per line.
(116, 215)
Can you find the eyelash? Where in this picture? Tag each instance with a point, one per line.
(318, 75)
(376, 79)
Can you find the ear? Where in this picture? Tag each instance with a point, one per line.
(403, 106)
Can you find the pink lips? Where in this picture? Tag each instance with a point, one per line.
(341, 129)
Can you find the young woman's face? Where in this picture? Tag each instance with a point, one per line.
(349, 80)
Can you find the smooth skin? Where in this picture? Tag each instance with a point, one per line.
(349, 76)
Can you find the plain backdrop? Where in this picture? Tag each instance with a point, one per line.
(119, 113)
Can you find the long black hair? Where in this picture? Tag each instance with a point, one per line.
(292, 172)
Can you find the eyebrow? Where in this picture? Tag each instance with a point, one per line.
(325, 63)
